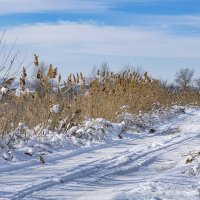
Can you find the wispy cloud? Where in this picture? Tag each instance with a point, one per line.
(105, 12)
(181, 24)
(92, 39)
(148, 6)
(34, 6)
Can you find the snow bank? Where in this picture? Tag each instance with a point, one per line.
(24, 143)
(146, 121)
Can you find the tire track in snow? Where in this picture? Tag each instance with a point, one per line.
(34, 163)
(132, 164)
(107, 167)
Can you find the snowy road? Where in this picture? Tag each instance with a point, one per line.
(139, 166)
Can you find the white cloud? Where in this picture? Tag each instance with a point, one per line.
(34, 6)
(91, 39)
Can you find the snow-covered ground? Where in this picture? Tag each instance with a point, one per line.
(125, 165)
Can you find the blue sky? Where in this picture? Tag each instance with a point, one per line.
(160, 36)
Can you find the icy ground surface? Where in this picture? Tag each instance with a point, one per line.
(138, 166)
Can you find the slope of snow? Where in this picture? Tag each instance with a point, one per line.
(137, 166)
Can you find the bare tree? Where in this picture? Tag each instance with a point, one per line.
(104, 67)
(183, 78)
(93, 74)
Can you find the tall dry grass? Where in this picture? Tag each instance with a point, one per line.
(106, 96)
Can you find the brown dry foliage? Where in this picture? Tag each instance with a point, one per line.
(104, 97)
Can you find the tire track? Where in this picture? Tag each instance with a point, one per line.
(116, 165)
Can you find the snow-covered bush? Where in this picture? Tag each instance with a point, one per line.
(24, 143)
(146, 121)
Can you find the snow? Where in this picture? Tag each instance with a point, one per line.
(4, 90)
(55, 108)
(91, 161)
